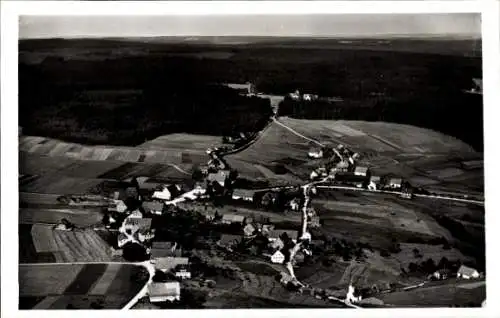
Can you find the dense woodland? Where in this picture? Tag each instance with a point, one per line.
(90, 93)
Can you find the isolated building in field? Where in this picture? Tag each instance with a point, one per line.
(153, 207)
(233, 219)
(315, 153)
(467, 272)
(277, 257)
(162, 292)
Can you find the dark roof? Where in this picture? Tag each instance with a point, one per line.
(229, 239)
(165, 252)
(276, 233)
(152, 206)
(141, 223)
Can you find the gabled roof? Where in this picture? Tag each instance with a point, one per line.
(468, 271)
(292, 234)
(229, 239)
(220, 176)
(164, 289)
(141, 223)
(169, 263)
(165, 252)
(360, 169)
(152, 206)
(244, 193)
(233, 218)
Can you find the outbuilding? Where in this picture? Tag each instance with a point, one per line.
(467, 272)
(161, 292)
(277, 257)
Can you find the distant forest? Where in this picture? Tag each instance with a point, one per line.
(92, 95)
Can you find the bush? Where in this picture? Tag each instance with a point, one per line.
(384, 253)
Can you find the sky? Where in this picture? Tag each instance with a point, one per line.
(352, 25)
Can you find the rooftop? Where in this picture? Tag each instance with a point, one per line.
(229, 239)
(141, 223)
(164, 289)
(233, 218)
(293, 234)
(152, 206)
(169, 263)
(464, 270)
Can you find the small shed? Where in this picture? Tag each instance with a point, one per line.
(277, 257)
(161, 292)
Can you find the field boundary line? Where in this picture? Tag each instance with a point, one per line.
(297, 133)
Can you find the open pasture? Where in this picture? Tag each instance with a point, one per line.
(179, 142)
(57, 184)
(446, 295)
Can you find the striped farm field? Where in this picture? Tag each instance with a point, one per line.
(70, 246)
(57, 184)
(198, 143)
(79, 217)
(107, 286)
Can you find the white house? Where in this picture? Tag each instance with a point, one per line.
(361, 171)
(183, 274)
(243, 194)
(313, 175)
(315, 153)
(161, 292)
(467, 272)
(278, 258)
(395, 183)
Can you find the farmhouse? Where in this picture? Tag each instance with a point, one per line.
(467, 272)
(278, 258)
(243, 194)
(395, 183)
(165, 249)
(361, 171)
(218, 177)
(227, 240)
(232, 219)
(166, 264)
(249, 230)
(315, 153)
(136, 224)
(153, 207)
(168, 192)
(278, 234)
(161, 292)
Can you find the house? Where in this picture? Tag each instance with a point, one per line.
(165, 249)
(232, 219)
(145, 235)
(228, 240)
(123, 239)
(136, 224)
(154, 207)
(294, 204)
(315, 153)
(243, 194)
(277, 234)
(168, 192)
(440, 274)
(374, 183)
(277, 244)
(182, 273)
(135, 214)
(166, 264)
(342, 166)
(361, 171)
(395, 183)
(277, 258)
(161, 292)
(467, 272)
(218, 177)
(118, 206)
(249, 230)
